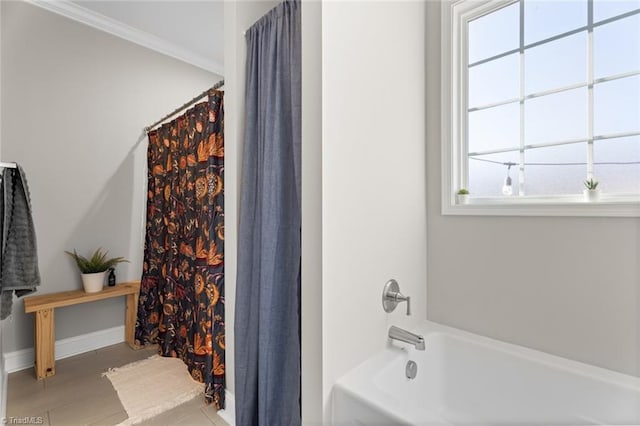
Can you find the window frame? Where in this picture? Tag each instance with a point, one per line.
(455, 14)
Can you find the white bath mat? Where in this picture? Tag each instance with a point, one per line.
(152, 386)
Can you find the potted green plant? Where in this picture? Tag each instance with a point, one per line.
(462, 196)
(591, 191)
(94, 268)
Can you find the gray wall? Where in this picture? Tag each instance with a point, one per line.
(74, 102)
(566, 285)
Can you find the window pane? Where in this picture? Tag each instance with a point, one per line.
(617, 106)
(494, 81)
(616, 47)
(557, 117)
(555, 179)
(486, 179)
(556, 64)
(494, 33)
(544, 18)
(494, 128)
(603, 9)
(617, 178)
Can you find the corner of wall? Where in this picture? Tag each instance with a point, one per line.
(311, 321)
(106, 144)
(3, 372)
(232, 105)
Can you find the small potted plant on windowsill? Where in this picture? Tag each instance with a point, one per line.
(591, 191)
(94, 268)
(462, 196)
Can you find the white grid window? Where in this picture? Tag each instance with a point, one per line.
(547, 93)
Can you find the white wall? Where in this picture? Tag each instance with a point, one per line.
(74, 102)
(373, 175)
(569, 286)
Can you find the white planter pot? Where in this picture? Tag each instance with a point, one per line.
(591, 194)
(93, 283)
(462, 198)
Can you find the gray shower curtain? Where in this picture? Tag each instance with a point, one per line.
(267, 315)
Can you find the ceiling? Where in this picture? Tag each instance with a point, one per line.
(192, 31)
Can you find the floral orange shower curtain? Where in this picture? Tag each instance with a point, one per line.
(181, 304)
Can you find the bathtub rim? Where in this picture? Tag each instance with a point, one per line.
(351, 382)
(581, 368)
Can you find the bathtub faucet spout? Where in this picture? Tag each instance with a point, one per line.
(398, 333)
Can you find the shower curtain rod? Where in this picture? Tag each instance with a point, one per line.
(191, 102)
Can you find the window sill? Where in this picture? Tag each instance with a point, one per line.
(576, 205)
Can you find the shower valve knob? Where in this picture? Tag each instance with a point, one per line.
(391, 296)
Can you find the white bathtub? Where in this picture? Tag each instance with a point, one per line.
(468, 379)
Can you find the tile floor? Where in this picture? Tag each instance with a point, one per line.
(79, 395)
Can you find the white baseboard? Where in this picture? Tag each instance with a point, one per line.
(24, 358)
(4, 380)
(4, 377)
(229, 413)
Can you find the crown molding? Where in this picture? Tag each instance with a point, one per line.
(101, 22)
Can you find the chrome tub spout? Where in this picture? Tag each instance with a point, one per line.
(397, 333)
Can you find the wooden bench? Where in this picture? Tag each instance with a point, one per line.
(43, 306)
